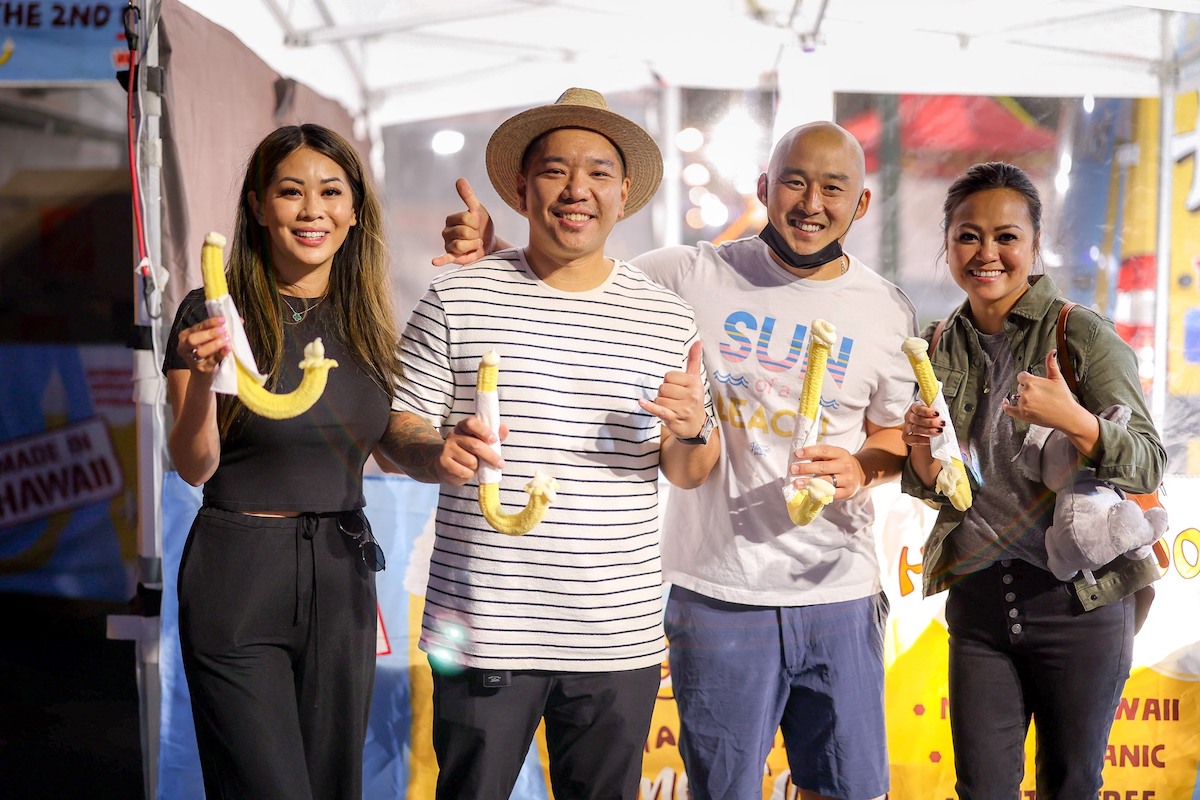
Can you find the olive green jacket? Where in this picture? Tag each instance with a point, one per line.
(1132, 458)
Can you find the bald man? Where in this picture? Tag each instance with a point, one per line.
(773, 626)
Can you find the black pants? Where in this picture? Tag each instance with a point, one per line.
(596, 729)
(277, 621)
(1021, 646)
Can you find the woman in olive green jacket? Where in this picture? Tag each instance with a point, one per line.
(1023, 643)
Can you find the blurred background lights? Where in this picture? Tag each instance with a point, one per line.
(447, 142)
(1062, 180)
(713, 211)
(1146, 363)
(694, 219)
(746, 182)
(1089, 103)
(689, 140)
(731, 147)
(1094, 252)
(449, 638)
(696, 175)
(696, 193)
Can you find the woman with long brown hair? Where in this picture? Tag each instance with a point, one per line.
(277, 610)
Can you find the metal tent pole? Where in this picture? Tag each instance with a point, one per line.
(1168, 80)
(143, 625)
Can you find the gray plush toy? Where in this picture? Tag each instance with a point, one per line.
(1093, 522)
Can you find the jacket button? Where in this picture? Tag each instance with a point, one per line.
(1095, 597)
(969, 407)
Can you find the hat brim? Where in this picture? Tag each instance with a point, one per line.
(643, 160)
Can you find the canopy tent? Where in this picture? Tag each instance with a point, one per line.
(403, 60)
(393, 62)
(390, 63)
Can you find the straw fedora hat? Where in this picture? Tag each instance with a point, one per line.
(576, 108)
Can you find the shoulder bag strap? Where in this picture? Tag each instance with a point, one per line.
(1064, 354)
(937, 334)
(1145, 501)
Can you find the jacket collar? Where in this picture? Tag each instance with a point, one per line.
(1034, 305)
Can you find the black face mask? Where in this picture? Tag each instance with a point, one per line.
(787, 255)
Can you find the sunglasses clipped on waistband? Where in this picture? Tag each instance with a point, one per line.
(355, 525)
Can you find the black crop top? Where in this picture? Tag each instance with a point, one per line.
(313, 462)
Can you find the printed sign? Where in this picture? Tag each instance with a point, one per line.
(43, 42)
(57, 471)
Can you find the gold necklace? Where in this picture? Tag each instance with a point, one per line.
(298, 316)
(845, 265)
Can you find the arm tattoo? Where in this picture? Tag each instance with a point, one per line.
(414, 445)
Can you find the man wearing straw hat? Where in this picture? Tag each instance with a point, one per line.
(773, 626)
(601, 385)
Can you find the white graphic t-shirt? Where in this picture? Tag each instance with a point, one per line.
(731, 538)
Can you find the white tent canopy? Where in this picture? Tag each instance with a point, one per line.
(393, 61)
(396, 61)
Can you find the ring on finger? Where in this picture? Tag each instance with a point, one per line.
(833, 480)
(196, 359)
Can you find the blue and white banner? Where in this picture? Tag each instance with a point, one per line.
(61, 42)
(68, 471)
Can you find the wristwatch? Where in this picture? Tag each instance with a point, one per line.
(702, 436)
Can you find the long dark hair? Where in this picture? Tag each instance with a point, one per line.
(359, 293)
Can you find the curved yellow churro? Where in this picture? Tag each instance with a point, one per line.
(804, 505)
(541, 489)
(249, 383)
(810, 501)
(541, 493)
(952, 480)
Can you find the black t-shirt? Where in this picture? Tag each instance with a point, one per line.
(312, 462)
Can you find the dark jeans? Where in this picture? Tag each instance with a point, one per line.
(1020, 647)
(596, 729)
(743, 673)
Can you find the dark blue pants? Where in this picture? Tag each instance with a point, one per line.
(596, 729)
(1021, 647)
(277, 621)
(743, 673)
